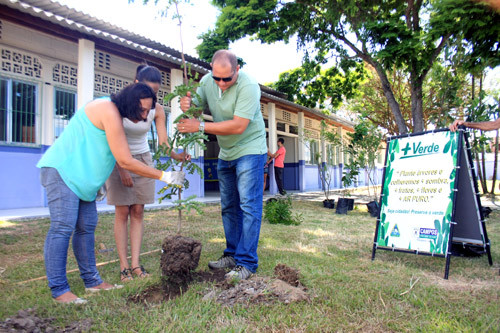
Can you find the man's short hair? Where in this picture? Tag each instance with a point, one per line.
(281, 140)
(225, 55)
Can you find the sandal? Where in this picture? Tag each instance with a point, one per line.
(142, 274)
(126, 274)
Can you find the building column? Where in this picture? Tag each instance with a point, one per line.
(47, 114)
(341, 158)
(175, 108)
(85, 89)
(272, 144)
(301, 153)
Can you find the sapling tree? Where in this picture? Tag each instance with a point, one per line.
(325, 171)
(185, 141)
(366, 141)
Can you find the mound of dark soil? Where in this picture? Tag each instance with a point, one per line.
(180, 256)
(28, 321)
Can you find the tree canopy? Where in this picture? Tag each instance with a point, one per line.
(406, 35)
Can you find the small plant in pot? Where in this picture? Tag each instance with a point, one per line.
(326, 176)
(326, 173)
(350, 173)
(366, 140)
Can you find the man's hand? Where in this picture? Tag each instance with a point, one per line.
(173, 177)
(453, 127)
(186, 102)
(188, 125)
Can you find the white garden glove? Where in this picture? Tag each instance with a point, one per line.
(173, 177)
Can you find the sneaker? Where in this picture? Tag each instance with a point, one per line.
(222, 262)
(238, 273)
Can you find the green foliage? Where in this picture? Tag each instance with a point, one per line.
(278, 211)
(313, 87)
(186, 141)
(388, 35)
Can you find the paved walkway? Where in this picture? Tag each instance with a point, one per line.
(360, 195)
(103, 208)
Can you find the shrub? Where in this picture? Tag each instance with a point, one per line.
(278, 210)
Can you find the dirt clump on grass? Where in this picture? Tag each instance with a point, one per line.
(161, 292)
(285, 288)
(288, 274)
(28, 321)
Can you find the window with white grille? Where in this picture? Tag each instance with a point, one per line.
(18, 111)
(64, 109)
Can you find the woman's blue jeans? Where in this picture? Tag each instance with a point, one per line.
(241, 187)
(68, 216)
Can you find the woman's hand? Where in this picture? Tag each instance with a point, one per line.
(181, 157)
(125, 177)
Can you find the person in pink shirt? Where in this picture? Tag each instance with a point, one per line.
(279, 165)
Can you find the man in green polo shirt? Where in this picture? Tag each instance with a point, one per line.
(233, 99)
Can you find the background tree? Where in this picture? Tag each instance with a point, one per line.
(313, 87)
(444, 93)
(407, 35)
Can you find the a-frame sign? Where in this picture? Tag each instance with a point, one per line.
(429, 198)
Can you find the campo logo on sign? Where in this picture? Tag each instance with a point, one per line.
(428, 233)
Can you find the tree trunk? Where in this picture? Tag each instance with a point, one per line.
(416, 103)
(494, 178)
(483, 166)
(391, 100)
(480, 172)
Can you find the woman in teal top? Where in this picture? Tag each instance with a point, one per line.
(72, 171)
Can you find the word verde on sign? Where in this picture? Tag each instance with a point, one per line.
(417, 195)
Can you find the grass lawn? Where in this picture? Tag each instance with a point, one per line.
(350, 292)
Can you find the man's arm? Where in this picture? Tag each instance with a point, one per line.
(484, 125)
(237, 125)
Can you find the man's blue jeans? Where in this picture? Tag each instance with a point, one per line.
(241, 189)
(68, 216)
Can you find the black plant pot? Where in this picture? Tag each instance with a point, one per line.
(342, 206)
(373, 208)
(350, 204)
(330, 203)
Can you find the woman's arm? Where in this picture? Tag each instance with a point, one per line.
(107, 117)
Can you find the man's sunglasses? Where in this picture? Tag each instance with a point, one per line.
(224, 79)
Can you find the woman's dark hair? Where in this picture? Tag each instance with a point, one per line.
(128, 100)
(147, 73)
